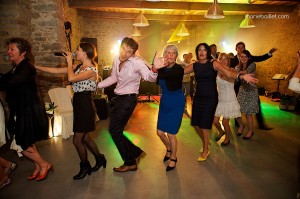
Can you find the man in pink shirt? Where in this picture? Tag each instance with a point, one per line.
(127, 71)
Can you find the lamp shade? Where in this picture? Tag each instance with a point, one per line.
(247, 22)
(214, 11)
(140, 20)
(183, 31)
(136, 32)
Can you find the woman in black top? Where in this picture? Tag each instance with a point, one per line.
(27, 108)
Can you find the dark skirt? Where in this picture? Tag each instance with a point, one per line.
(31, 125)
(84, 112)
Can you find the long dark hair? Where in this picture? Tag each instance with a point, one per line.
(23, 45)
(90, 50)
(248, 54)
(207, 48)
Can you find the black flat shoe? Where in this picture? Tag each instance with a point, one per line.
(171, 168)
(166, 158)
(248, 138)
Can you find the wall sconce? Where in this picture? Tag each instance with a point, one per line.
(183, 31)
(247, 22)
(140, 20)
(214, 11)
(136, 32)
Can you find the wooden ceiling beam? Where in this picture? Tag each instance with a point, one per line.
(153, 17)
(184, 6)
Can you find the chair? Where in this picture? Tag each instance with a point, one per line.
(63, 114)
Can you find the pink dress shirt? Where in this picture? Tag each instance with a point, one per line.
(128, 79)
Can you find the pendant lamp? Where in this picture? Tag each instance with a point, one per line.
(183, 31)
(214, 11)
(247, 22)
(136, 32)
(140, 21)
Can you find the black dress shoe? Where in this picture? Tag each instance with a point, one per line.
(265, 128)
(125, 168)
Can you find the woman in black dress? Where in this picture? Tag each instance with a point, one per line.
(27, 108)
(206, 96)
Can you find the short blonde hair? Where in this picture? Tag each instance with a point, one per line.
(170, 47)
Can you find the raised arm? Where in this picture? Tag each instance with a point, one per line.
(233, 74)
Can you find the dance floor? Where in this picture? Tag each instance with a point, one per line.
(267, 166)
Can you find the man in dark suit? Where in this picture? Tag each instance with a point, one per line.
(239, 47)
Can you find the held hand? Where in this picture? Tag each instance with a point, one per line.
(159, 62)
(273, 50)
(68, 56)
(250, 78)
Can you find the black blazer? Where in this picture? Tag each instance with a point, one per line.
(173, 76)
(235, 61)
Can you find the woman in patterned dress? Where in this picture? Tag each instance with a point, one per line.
(84, 80)
(248, 93)
(228, 106)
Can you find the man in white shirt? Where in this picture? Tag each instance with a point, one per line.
(127, 71)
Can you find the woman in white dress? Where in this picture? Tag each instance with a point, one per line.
(228, 106)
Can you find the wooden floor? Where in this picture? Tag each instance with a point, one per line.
(265, 167)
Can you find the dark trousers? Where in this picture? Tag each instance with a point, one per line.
(120, 114)
(259, 116)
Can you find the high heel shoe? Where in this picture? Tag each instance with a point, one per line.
(247, 138)
(85, 168)
(171, 168)
(44, 176)
(33, 176)
(100, 161)
(225, 143)
(201, 159)
(167, 157)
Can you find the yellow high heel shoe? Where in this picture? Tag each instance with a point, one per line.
(201, 159)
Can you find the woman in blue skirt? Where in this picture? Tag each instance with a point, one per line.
(172, 104)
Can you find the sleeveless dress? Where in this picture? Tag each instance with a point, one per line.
(248, 94)
(228, 106)
(171, 109)
(206, 95)
(83, 104)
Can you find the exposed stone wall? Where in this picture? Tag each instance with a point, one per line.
(42, 23)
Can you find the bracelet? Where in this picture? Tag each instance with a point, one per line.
(153, 69)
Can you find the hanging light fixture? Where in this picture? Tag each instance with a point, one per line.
(214, 11)
(136, 32)
(247, 22)
(140, 20)
(183, 31)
